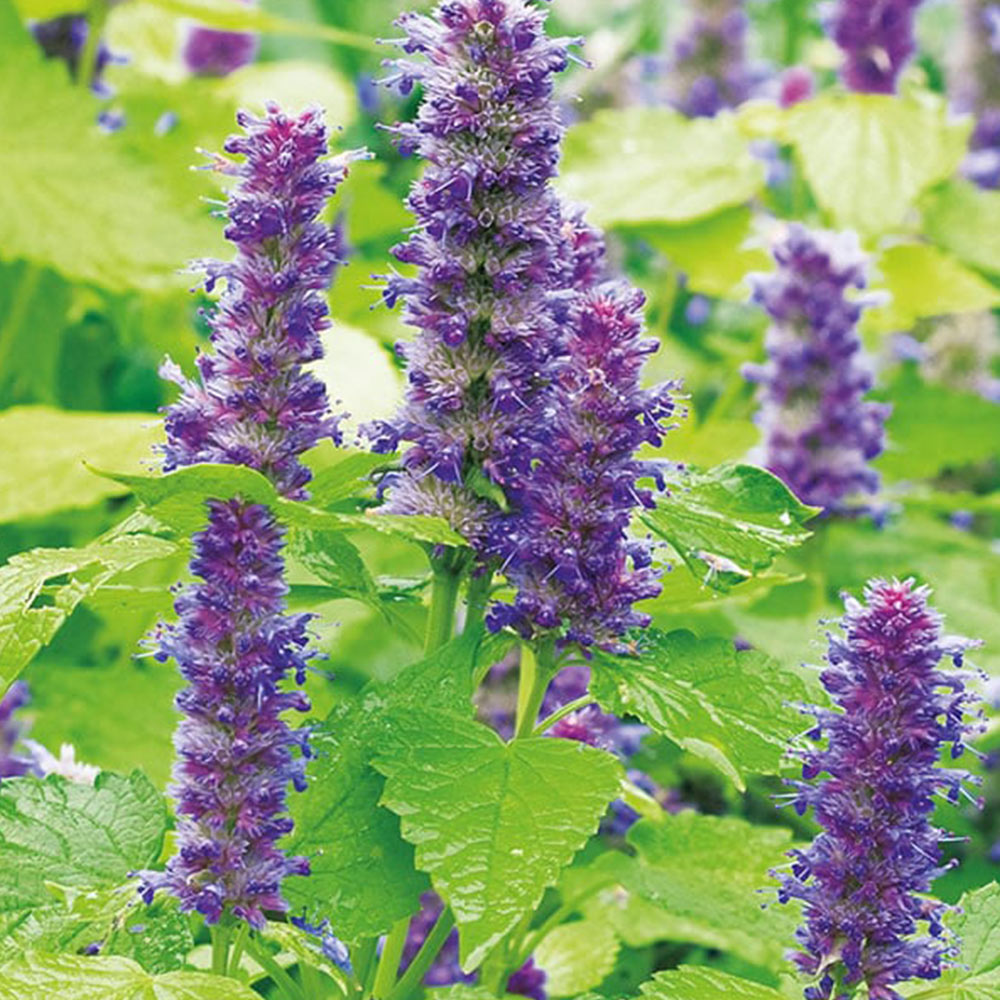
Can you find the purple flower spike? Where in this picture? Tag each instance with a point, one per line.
(565, 545)
(876, 37)
(819, 432)
(234, 642)
(865, 878)
(254, 404)
(208, 52)
(12, 730)
(707, 68)
(490, 247)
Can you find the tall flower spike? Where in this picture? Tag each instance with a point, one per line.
(876, 37)
(233, 641)
(707, 67)
(819, 432)
(975, 85)
(565, 545)
(489, 248)
(864, 878)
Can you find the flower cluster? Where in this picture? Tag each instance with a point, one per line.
(819, 432)
(707, 67)
(864, 877)
(565, 544)
(528, 981)
(490, 247)
(12, 730)
(976, 89)
(234, 642)
(876, 37)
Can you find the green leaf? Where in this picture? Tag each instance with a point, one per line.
(178, 499)
(81, 977)
(73, 835)
(363, 876)
(576, 956)
(72, 199)
(711, 871)
(654, 165)
(965, 220)
(925, 429)
(698, 983)
(344, 479)
(730, 522)
(44, 450)
(712, 252)
(726, 706)
(32, 610)
(493, 823)
(868, 157)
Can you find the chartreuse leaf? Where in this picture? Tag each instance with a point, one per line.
(699, 983)
(32, 609)
(727, 706)
(976, 974)
(493, 823)
(965, 219)
(576, 956)
(363, 875)
(924, 281)
(73, 835)
(711, 871)
(178, 499)
(868, 157)
(730, 522)
(82, 977)
(344, 479)
(44, 451)
(654, 165)
(713, 252)
(72, 199)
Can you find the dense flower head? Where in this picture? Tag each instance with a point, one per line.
(491, 246)
(253, 403)
(975, 86)
(707, 68)
(876, 38)
(234, 642)
(13, 763)
(864, 878)
(819, 432)
(565, 545)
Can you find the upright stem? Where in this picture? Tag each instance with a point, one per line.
(388, 964)
(536, 670)
(221, 933)
(97, 16)
(444, 596)
(793, 11)
(410, 980)
(476, 599)
(364, 962)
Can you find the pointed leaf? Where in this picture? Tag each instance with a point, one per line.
(696, 983)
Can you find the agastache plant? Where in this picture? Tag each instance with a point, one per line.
(877, 41)
(819, 432)
(488, 252)
(707, 69)
(872, 784)
(255, 405)
(211, 52)
(976, 88)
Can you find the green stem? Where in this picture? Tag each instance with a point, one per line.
(14, 320)
(97, 16)
(560, 713)
(444, 596)
(221, 933)
(410, 980)
(312, 982)
(536, 670)
(289, 988)
(476, 599)
(364, 964)
(239, 943)
(388, 963)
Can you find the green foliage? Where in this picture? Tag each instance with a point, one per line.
(692, 983)
(965, 220)
(577, 956)
(70, 199)
(868, 157)
(44, 453)
(730, 522)
(73, 836)
(684, 169)
(79, 977)
(711, 871)
(726, 706)
(493, 823)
